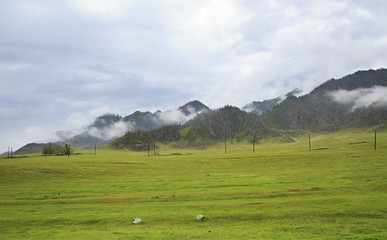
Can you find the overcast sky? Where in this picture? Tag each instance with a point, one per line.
(62, 63)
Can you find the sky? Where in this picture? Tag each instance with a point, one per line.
(65, 62)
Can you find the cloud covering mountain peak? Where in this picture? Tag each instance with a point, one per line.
(362, 97)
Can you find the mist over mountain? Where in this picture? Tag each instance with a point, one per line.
(335, 104)
(228, 123)
(108, 127)
(357, 100)
(362, 97)
(193, 107)
(182, 114)
(259, 108)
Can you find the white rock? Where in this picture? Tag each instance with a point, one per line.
(137, 220)
(199, 217)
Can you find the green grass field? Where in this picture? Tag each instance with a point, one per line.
(282, 191)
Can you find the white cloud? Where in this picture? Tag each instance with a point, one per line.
(36, 134)
(117, 129)
(76, 121)
(104, 8)
(72, 56)
(176, 116)
(205, 26)
(362, 98)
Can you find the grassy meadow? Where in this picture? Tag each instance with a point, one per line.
(282, 191)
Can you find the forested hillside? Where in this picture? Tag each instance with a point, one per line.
(357, 100)
(334, 104)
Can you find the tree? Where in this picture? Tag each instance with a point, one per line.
(57, 150)
(67, 150)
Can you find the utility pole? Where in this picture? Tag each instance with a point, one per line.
(95, 150)
(8, 151)
(310, 147)
(254, 144)
(225, 146)
(375, 141)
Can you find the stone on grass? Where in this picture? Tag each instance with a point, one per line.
(137, 220)
(200, 217)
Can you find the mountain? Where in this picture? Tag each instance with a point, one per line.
(359, 79)
(143, 120)
(331, 106)
(139, 140)
(356, 100)
(31, 148)
(193, 107)
(108, 127)
(334, 104)
(260, 108)
(105, 120)
(227, 123)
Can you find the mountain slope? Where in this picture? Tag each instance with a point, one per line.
(34, 147)
(108, 127)
(356, 100)
(139, 140)
(259, 108)
(193, 107)
(320, 110)
(211, 126)
(225, 123)
(359, 79)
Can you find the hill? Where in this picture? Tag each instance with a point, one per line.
(261, 107)
(140, 140)
(357, 100)
(334, 104)
(227, 123)
(329, 107)
(193, 107)
(33, 148)
(109, 127)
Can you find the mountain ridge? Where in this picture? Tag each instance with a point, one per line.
(225, 124)
(261, 107)
(331, 106)
(107, 127)
(319, 110)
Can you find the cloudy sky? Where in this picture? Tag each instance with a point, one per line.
(64, 62)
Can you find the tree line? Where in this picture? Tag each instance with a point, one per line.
(57, 150)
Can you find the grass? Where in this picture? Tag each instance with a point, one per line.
(282, 191)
